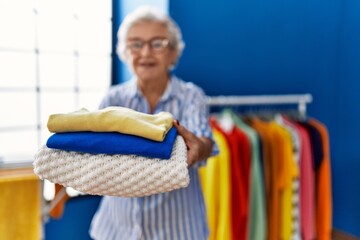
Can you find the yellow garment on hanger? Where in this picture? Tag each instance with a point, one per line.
(20, 215)
(291, 171)
(216, 185)
(113, 119)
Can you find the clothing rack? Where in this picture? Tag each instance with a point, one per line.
(300, 99)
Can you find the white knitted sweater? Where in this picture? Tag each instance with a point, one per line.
(114, 175)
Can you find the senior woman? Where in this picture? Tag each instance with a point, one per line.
(150, 42)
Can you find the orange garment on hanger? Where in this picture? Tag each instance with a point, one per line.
(58, 210)
(276, 175)
(323, 187)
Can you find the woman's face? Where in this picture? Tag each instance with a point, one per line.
(148, 51)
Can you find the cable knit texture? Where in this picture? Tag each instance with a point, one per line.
(114, 175)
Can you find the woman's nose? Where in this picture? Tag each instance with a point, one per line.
(145, 50)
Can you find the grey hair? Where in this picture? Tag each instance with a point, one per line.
(149, 14)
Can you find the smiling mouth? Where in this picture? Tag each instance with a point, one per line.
(147, 65)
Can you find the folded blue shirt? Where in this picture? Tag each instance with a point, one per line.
(113, 143)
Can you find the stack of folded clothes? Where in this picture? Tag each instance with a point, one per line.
(114, 151)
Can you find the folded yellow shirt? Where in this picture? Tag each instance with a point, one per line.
(113, 119)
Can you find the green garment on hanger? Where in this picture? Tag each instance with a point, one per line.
(257, 213)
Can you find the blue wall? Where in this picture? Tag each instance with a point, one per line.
(245, 47)
(75, 221)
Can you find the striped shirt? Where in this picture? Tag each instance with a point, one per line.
(178, 214)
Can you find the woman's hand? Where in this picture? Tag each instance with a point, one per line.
(199, 148)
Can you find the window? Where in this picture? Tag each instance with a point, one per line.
(55, 57)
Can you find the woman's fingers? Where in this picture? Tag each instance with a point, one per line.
(182, 130)
(191, 141)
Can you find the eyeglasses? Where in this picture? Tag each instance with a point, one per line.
(157, 45)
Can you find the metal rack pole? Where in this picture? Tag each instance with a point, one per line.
(300, 99)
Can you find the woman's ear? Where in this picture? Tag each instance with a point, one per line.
(173, 59)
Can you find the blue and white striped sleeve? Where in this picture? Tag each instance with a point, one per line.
(196, 118)
(196, 113)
